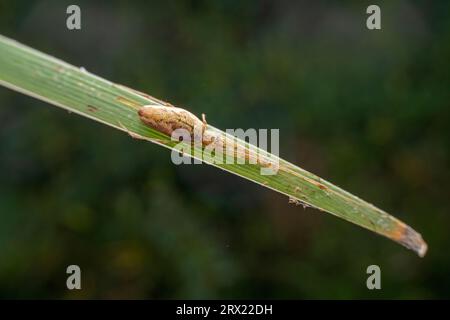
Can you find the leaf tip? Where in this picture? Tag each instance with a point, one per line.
(413, 240)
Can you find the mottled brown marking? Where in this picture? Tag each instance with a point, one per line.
(128, 102)
(322, 187)
(92, 108)
(408, 237)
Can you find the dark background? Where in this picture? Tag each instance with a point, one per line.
(367, 110)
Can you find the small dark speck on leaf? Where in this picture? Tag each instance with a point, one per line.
(92, 108)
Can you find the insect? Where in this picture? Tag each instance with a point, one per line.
(167, 119)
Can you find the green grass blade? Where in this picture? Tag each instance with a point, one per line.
(41, 76)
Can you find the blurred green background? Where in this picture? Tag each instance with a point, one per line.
(367, 110)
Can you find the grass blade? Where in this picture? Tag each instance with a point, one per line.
(46, 78)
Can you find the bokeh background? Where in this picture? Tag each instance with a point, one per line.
(367, 110)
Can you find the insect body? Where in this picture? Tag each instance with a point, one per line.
(167, 119)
